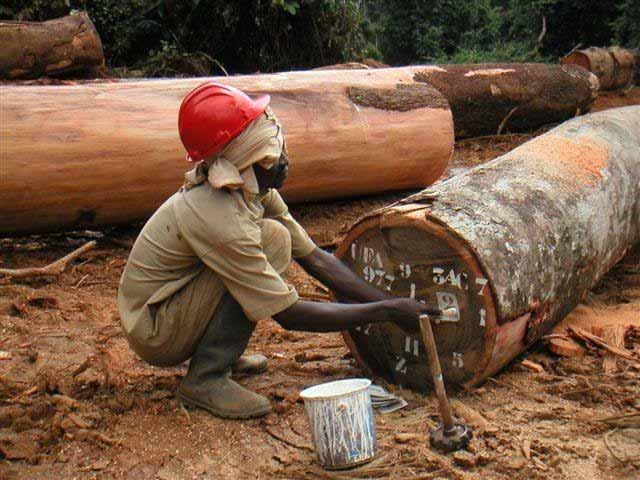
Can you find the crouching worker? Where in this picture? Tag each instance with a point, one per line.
(207, 266)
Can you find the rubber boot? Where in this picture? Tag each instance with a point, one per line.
(208, 384)
(250, 365)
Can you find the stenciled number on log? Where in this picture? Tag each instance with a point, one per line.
(401, 366)
(441, 282)
(457, 360)
(453, 278)
(405, 270)
(378, 277)
(412, 345)
(483, 283)
(448, 304)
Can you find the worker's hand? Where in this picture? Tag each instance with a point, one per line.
(406, 313)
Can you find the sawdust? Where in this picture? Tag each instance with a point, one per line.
(618, 98)
(578, 161)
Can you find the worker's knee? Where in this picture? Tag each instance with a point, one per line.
(276, 244)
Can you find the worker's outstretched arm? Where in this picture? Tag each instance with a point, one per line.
(334, 317)
(336, 275)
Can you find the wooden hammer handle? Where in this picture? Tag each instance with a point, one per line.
(436, 372)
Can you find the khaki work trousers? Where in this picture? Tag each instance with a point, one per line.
(182, 318)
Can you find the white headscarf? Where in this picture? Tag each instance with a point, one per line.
(260, 142)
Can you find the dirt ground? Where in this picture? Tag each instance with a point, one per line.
(76, 403)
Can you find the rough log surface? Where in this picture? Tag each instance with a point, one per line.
(109, 153)
(614, 66)
(513, 245)
(402, 98)
(486, 98)
(33, 49)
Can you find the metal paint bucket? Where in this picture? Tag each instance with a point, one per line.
(342, 423)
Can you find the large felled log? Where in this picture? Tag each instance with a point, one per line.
(492, 98)
(33, 49)
(511, 245)
(614, 66)
(108, 153)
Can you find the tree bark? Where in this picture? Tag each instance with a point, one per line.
(614, 66)
(492, 98)
(33, 49)
(513, 245)
(344, 66)
(109, 153)
(364, 64)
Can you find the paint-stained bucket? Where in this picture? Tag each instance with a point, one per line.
(342, 423)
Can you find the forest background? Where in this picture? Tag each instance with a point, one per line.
(215, 37)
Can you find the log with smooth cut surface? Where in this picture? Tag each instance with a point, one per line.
(109, 153)
(512, 245)
(33, 49)
(495, 98)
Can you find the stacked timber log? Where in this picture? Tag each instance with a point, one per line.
(512, 246)
(111, 150)
(33, 49)
(614, 66)
(109, 153)
(493, 98)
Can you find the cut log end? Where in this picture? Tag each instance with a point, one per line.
(401, 99)
(577, 58)
(419, 259)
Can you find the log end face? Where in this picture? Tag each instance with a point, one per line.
(401, 253)
(576, 58)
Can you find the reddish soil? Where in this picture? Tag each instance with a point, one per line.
(618, 98)
(75, 402)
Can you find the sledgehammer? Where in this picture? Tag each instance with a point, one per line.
(449, 435)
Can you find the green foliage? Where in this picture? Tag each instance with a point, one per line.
(627, 25)
(170, 61)
(419, 31)
(502, 52)
(202, 37)
(411, 31)
(287, 5)
(34, 10)
(185, 36)
(569, 22)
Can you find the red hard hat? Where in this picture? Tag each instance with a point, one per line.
(212, 115)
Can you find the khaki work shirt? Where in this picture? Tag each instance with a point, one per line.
(206, 227)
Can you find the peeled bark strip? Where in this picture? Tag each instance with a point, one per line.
(33, 49)
(491, 98)
(614, 66)
(109, 153)
(512, 245)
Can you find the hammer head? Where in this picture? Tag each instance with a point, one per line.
(452, 439)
